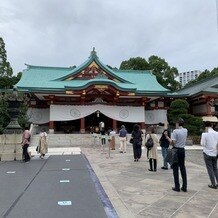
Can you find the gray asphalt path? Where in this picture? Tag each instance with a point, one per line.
(60, 186)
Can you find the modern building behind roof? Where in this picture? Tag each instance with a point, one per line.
(188, 76)
(76, 99)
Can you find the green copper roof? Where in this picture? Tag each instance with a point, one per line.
(52, 79)
(209, 85)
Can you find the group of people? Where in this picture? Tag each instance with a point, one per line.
(42, 147)
(209, 141)
(176, 142)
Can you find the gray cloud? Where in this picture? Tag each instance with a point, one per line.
(63, 32)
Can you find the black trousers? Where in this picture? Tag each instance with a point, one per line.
(25, 153)
(137, 151)
(211, 165)
(151, 165)
(180, 165)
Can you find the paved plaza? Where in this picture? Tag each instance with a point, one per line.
(97, 183)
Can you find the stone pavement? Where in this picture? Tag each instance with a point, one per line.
(136, 192)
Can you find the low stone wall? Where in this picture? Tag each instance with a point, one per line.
(10, 147)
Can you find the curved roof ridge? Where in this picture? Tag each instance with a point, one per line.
(51, 67)
(106, 82)
(199, 82)
(135, 71)
(93, 57)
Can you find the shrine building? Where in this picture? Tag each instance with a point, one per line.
(77, 99)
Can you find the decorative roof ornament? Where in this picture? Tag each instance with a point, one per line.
(93, 52)
(99, 101)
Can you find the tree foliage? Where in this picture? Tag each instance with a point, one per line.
(179, 109)
(137, 63)
(7, 80)
(5, 67)
(23, 118)
(4, 115)
(164, 73)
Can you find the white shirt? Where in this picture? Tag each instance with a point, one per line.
(210, 141)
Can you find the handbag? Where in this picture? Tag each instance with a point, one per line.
(150, 143)
(131, 141)
(172, 156)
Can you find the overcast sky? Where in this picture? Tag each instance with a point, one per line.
(63, 32)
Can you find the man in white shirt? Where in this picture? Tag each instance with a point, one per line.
(209, 140)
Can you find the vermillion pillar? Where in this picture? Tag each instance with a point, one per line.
(82, 125)
(51, 126)
(114, 125)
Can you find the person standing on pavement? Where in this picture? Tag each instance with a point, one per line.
(179, 138)
(112, 134)
(123, 139)
(137, 142)
(43, 145)
(152, 152)
(25, 144)
(164, 144)
(209, 140)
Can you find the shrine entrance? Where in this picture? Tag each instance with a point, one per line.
(92, 122)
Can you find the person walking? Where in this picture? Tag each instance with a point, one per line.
(123, 139)
(137, 142)
(209, 140)
(152, 152)
(43, 145)
(179, 138)
(164, 144)
(25, 144)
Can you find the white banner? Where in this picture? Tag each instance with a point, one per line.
(120, 113)
(38, 116)
(155, 116)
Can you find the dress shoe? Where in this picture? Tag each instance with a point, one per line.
(164, 168)
(150, 170)
(212, 186)
(184, 189)
(175, 189)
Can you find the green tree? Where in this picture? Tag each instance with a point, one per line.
(5, 67)
(165, 74)
(179, 109)
(137, 63)
(23, 118)
(4, 116)
(8, 82)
